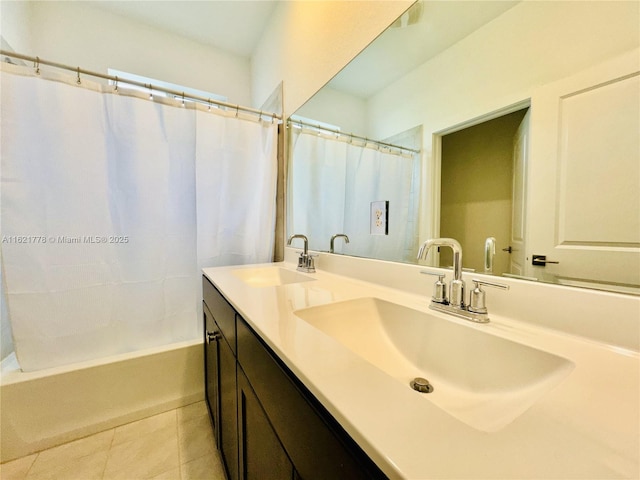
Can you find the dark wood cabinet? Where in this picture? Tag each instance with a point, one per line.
(270, 425)
(316, 443)
(262, 456)
(212, 371)
(228, 409)
(220, 375)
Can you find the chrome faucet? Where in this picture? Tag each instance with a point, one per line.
(476, 311)
(456, 288)
(305, 262)
(489, 253)
(333, 238)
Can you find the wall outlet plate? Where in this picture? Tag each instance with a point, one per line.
(379, 218)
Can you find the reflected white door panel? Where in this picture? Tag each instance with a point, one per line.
(585, 174)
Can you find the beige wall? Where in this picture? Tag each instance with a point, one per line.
(77, 33)
(305, 44)
(308, 42)
(14, 24)
(350, 116)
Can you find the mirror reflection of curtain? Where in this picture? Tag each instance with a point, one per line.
(317, 188)
(122, 201)
(339, 180)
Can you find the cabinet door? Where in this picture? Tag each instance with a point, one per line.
(262, 456)
(228, 409)
(318, 446)
(212, 378)
(223, 313)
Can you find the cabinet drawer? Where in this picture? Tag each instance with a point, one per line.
(317, 445)
(222, 312)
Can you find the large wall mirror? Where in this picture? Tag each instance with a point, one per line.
(511, 126)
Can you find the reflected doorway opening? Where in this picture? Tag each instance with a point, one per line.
(482, 191)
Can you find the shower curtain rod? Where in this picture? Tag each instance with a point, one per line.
(351, 136)
(37, 61)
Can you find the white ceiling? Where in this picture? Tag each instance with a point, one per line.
(231, 25)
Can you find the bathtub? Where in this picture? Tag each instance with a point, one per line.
(39, 410)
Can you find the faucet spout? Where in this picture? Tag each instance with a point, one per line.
(445, 242)
(456, 289)
(333, 238)
(304, 239)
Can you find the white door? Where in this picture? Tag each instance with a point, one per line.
(584, 197)
(518, 213)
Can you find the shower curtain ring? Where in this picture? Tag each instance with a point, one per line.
(260, 117)
(78, 80)
(237, 109)
(37, 65)
(209, 102)
(116, 87)
(150, 92)
(183, 99)
(273, 118)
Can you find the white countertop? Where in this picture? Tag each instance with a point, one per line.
(586, 427)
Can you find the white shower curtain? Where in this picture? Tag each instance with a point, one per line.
(111, 204)
(331, 186)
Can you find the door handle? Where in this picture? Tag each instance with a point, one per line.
(212, 336)
(541, 260)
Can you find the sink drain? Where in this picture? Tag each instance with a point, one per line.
(421, 385)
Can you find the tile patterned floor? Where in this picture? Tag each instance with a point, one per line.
(176, 445)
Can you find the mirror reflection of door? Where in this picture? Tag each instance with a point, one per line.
(517, 256)
(586, 191)
(482, 191)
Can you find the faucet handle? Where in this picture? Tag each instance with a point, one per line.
(306, 262)
(477, 297)
(439, 288)
(501, 286)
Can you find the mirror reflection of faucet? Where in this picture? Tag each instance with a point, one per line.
(489, 253)
(305, 261)
(454, 304)
(333, 238)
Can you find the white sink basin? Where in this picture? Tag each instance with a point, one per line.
(481, 379)
(270, 276)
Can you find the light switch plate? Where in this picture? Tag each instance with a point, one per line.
(379, 218)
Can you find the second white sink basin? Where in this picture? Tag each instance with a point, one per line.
(481, 379)
(269, 276)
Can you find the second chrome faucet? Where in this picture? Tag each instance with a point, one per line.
(333, 239)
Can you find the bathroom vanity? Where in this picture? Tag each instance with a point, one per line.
(266, 422)
(318, 368)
